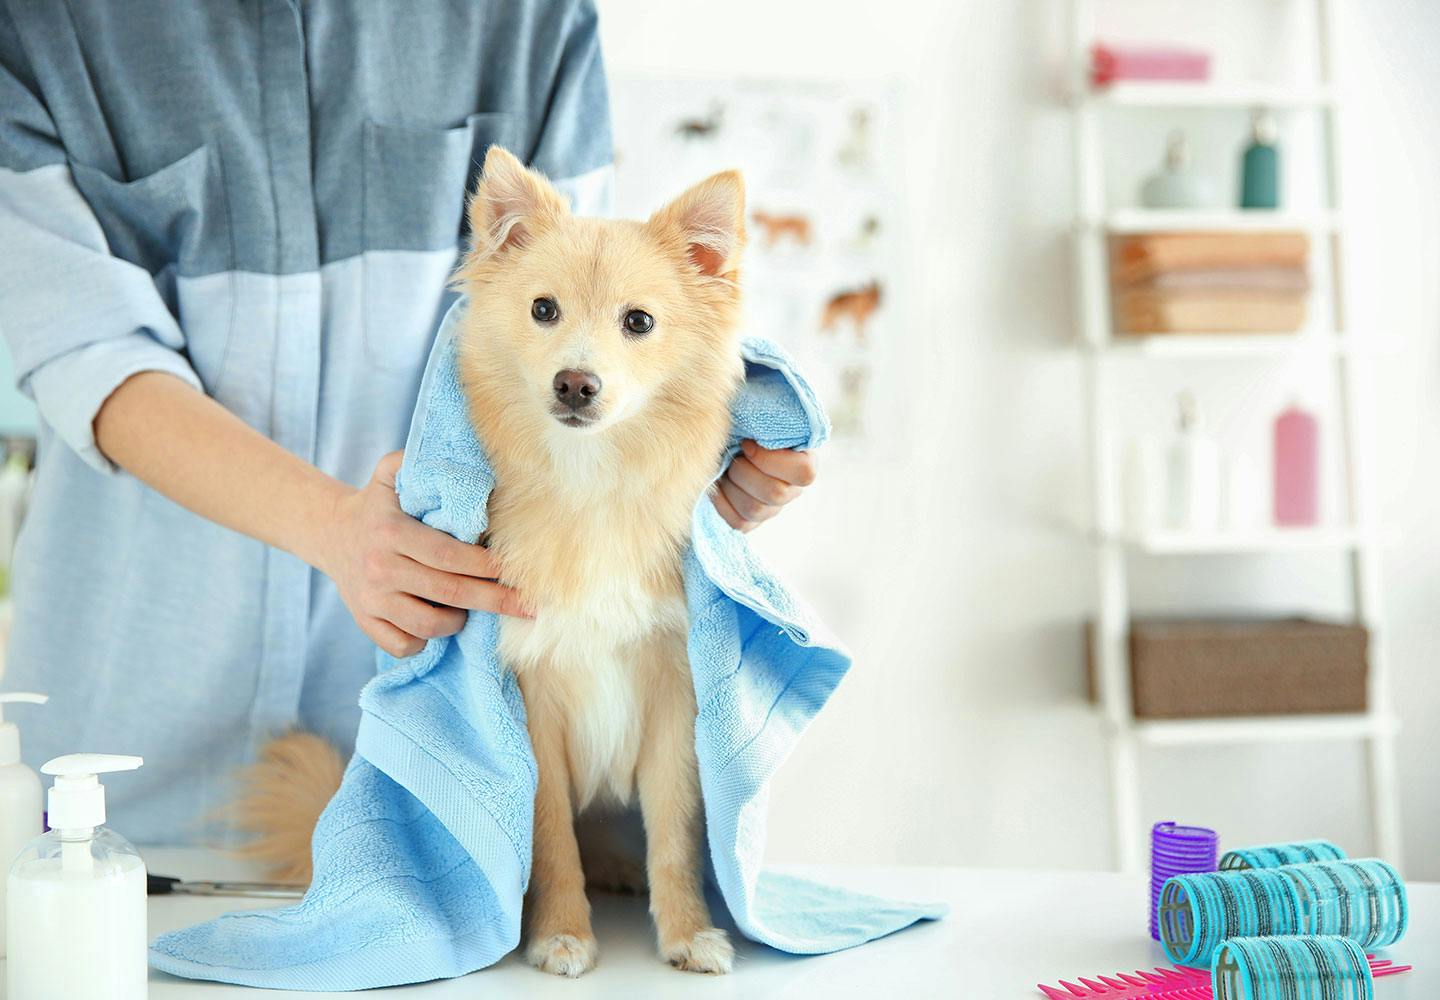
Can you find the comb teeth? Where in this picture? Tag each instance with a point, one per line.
(1173, 983)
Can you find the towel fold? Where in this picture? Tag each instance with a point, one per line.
(1231, 279)
(1147, 255)
(1235, 310)
(422, 858)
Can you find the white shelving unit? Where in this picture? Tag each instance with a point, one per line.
(1222, 346)
(1147, 220)
(1095, 221)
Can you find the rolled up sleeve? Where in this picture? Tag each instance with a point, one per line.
(78, 321)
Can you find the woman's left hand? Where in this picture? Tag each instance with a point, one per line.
(760, 482)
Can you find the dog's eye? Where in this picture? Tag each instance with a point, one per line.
(639, 322)
(544, 310)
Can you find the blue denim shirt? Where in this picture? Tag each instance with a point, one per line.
(265, 199)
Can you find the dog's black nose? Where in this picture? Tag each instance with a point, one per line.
(576, 389)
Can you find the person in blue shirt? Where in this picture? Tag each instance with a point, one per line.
(225, 234)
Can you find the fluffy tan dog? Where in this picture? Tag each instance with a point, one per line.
(599, 358)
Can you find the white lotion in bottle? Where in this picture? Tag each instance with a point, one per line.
(76, 896)
(22, 814)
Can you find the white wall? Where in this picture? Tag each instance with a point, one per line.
(953, 568)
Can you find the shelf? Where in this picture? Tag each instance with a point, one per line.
(1262, 729)
(1211, 96)
(1164, 542)
(1224, 345)
(1141, 220)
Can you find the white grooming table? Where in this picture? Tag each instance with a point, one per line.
(1007, 931)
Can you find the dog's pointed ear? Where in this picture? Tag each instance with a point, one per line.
(510, 204)
(709, 219)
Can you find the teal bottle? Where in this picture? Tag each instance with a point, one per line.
(1260, 168)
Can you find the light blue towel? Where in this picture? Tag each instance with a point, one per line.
(422, 858)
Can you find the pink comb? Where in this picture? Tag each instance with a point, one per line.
(1174, 983)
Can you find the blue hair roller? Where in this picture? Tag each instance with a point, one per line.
(1291, 968)
(1361, 900)
(1299, 852)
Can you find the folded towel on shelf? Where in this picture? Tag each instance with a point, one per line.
(1119, 63)
(1227, 279)
(1146, 256)
(1147, 310)
(422, 858)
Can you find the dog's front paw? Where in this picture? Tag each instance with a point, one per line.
(709, 950)
(564, 954)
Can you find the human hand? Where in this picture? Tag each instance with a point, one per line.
(392, 571)
(759, 482)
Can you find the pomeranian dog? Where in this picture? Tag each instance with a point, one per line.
(600, 358)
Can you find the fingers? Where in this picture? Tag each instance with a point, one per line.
(458, 591)
(763, 489)
(389, 638)
(387, 468)
(750, 511)
(759, 482)
(798, 468)
(435, 549)
(420, 618)
(727, 512)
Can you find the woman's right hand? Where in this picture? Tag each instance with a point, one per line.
(392, 571)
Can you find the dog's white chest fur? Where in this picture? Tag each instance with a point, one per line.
(592, 662)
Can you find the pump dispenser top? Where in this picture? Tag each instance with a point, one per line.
(9, 732)
(77, 799)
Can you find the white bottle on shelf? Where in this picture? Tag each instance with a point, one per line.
(22, 811)
(76, 896)
(1192, 474)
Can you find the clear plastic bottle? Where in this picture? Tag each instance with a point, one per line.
(75, 903)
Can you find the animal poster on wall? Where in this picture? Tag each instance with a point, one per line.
(821, 269)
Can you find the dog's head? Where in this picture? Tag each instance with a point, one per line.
(596, 324)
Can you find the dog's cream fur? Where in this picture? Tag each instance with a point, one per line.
(589, 522)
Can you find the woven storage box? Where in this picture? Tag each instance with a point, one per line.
(1187, 668)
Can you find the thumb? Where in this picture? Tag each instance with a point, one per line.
(386, 469)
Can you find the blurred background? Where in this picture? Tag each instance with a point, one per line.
(950, 538)
(1026, 443)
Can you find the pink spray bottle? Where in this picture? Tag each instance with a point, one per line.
(1297, 468)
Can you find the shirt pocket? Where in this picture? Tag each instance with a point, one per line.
(171, 220)
(413, 208)
(175, 223)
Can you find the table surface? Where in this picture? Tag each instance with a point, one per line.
(1007, 931)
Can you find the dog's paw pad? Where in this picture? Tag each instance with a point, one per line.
(563, 954)
(708, 951)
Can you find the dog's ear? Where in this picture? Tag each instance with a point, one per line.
(710, 220)
(510, 204)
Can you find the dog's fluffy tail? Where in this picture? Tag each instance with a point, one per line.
(281, 797)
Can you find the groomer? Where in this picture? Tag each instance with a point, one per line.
(225, 232)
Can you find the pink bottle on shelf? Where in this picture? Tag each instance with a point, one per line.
(1297, 468)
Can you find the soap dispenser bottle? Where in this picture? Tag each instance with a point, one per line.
(22, 812)
(76, 896)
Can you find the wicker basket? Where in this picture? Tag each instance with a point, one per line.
(1187, 668)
